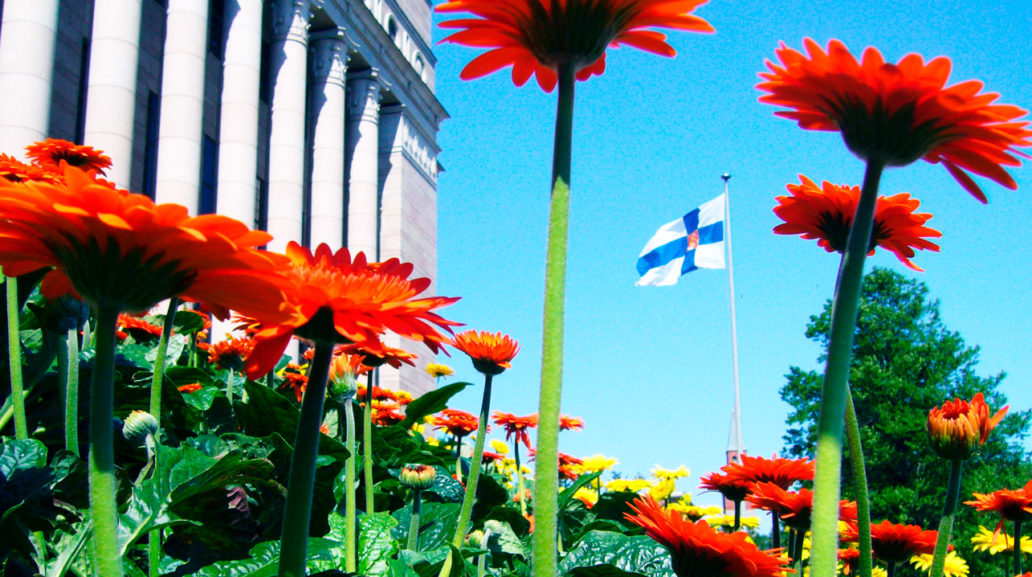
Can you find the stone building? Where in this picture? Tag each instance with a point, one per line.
(315, 120)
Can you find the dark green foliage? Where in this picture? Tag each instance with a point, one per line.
(905, 362)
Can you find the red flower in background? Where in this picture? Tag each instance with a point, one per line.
(516, 426)
(793, 507)
(456, 422)
(491, 353)
(780, 471)
(230, 353)
(50, 152)
(1012, 504)
(825, 213)
(959, 427)
(536, 36)
(731, 488)
(568, 423)
(898, 113)
(894, 543)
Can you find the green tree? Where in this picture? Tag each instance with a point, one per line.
(905, 362)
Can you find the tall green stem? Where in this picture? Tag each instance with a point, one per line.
(474, 477)
(520, 487)
(301, 482)
(159, 362)
(367, 446)
(350, 499)
(827, 481)
(1017, 549)
(863, 500)
(103, 508)
(413, 532)
(546, 477)
(949, 510)
(775, 530)
(21, 428)
(71, 378)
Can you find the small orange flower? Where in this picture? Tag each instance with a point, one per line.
(898, 113)
(894, 543)
(230, 353)
(138, 328)
(190, 388)
(568, 423)
(336, 299)
(15, 170)
(697, 550)
(120, 249)
(1012, 504)
(377, 354)
(536, 36)
(780, 471)
(385, 417)
(516, 426)
(569, 467)
(825, 213)
(793, 507)
(959, 427)
(50, 152)
(732, 488)
(295, 377)
(457, 423)
(491, 353)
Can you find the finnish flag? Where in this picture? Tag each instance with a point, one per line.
(693, 241)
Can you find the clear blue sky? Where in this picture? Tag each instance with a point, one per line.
(649, 368)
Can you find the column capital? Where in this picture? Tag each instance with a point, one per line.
(290, 19)
(364, 93)
(330, 56)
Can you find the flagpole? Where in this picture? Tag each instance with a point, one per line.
(734, 445)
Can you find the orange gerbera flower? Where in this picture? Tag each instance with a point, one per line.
(516, 426)
(959, 427)
(336, 299)
(536, 36)
(295, 377)
(793, 507)
(825, 213)
(230, 353)
(568, 423)
(375, 354)
(697, 550)
(140, 329)
(190, 388)
(15, 170)
(456, 422)
(1012, 505)
(120, 249)
(386, 416)
(894, 543)
(780, 471)
(732, 488)
(50, 152)
(491, 353)
(569, 467)
(898, 113)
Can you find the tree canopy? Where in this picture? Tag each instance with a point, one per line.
(905, 362)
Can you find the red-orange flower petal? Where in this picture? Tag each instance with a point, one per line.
(778, 470)
(959, 427)
(894, 543)
(825, 213)
(1011, 504)
(568, 423)
(491, 353)
(50, 152)
(697, 550)
(516, 426)
(456, 422)
(898, 113)
(535, 36)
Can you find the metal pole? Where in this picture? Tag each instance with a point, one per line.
(735, 439)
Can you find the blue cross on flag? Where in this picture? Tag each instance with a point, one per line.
(693, 241)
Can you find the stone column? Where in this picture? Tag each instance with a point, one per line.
(182, 104)
(363, 164)
(330, 64)
(289, 62)
(26, 65)
(111, 98)
(238, 126)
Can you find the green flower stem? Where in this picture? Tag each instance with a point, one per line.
(154, 554)
(738, 514)
(413, 530)
(1017, 548)
(159, 362)
(21, 428)
(474, 477)
(863, 501)
(890, 570)
(827, 481)
(301, 482)
(458, 458)
(520, 487)
(68, 373)
(367, 446)
(949, 510)
(546, 476)
(775, 531)
(103, 508)
(350, 498)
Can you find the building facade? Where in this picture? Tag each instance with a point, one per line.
(315, 120)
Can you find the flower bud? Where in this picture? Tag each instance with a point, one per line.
(138, 426)
(418, 477)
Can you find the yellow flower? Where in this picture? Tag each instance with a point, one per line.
(662, 489)
(598, 463)
(500, 447)
(628, 485)
(588, 496)
(1000, 542)
(438, 370)
(433, 442)
(729, 521)
(694, 512)
(668, 475)
(955, 566)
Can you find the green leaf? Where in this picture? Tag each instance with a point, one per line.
(436, 521)
(202, 398)
(605, 570)
(633, 554)
(446, 487)
(69, 545)
(188, 323)
(176, 345)
(566, 496)
(430, 403)
(375, 545)
(265, 412)
(20, 455)
(263, 560)
(137, 355)
(503, 539)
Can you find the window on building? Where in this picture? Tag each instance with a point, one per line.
(216, 20)
(261, 204)
(81, 91)
(150, 149)
(209, 176)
